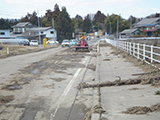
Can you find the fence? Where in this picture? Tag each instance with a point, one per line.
(142, 38)
(149, 53)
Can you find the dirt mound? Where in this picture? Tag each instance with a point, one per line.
(6, 99)
(92, 67)
(103, 44)
(107, 59)
(96, 109)
(142, 110)
(14, 86)
(58, 79)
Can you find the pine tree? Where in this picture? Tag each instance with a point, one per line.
(86, 26)
(64, 25)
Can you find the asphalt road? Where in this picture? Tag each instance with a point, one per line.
(43, 85)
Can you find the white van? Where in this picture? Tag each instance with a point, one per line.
(34, 42)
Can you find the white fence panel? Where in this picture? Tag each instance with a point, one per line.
(148, 53)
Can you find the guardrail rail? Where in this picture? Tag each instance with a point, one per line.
(148, 53)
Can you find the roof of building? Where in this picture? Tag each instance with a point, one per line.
(40, 28)
(23, 24)
(129, 31)
(146, 25)
(147, 21)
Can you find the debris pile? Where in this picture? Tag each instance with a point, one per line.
(142, 110)
(92, 67)
(6, 99)
(122, 82)
(96, 109)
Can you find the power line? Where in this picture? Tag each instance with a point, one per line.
(4, 13)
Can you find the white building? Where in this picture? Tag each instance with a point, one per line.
(4, 34)
(22, 27)
(45, 32)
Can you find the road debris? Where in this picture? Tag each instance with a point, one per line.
(96, 109)
(142, 110)
(6, 99)
(92, 67)
(154, 79)
(15, 86)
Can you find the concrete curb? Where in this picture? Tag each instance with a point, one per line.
(95, 116)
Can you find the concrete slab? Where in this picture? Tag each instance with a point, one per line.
(117, 99)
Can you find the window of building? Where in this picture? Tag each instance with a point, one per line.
(51, 32)
(2, 33)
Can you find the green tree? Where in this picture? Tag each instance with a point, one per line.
(77, 22)
(7, 23)
(32, 18)
(99, 17)
(87, 25)
(52, 14)
(45, 22)
(112, 19)
(64, 25)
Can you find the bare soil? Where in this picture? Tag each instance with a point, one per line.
(20, 49)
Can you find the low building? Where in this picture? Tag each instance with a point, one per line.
(148, 25)
(22, 27)
(5, 34)
(128, 33)
(43, 32)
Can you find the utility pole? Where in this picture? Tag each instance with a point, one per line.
(131, 23)
(117, 28)
(53, 29)
(39, 30)
(110, 27)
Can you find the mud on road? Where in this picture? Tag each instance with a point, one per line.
(30, 93)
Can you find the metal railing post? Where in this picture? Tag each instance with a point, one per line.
(138, 50)
(130, 49)
(144, 51)
(127, 47)
(133, 49)
(151, 53)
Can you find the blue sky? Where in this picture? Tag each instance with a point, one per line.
(125, 8)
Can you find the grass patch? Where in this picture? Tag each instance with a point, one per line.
(157, 92)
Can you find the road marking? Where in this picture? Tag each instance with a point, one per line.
(65, 92)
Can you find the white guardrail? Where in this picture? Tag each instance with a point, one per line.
(149, 53)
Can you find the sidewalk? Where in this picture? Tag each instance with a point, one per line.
(116, 99)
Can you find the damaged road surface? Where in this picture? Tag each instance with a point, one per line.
(61, 84)
(42, 85)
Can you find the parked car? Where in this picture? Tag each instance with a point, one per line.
(24, 42)
(56, 42)
(34, 42)
(73, 42)
(50, 42)
(65, 43)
